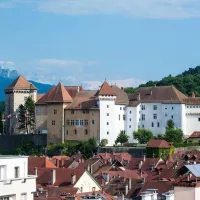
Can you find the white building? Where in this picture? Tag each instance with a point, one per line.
(152, 107)
(15, 183)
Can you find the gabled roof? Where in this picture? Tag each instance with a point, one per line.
(122, 97)
(157, 94)
(195, 134)
(21, 83)
(158, 144)
(106, 89)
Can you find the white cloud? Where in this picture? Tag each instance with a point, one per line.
(4, 62)
(134, 8)
(130, 82)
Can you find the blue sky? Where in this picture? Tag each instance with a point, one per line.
(85, 41)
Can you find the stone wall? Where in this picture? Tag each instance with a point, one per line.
(11, 142)
(134, 151)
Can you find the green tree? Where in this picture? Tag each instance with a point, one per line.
(159, 137)
(142, 135)
(103, 143)
(30, 114)
(170, 124)
(21, 118)
(122, 138)
(174, 135)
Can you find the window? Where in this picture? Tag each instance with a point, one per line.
(130, 112)
(107, 123)
(155, 107)
(66, 132)
(165, 115)
(53, 122)
(16, 172)
(142, 126)
(124, 117)
(129, 126)
(68, 122)
(172, 108)
(86, 131)
(154, 116)
(72, 122)
(86, 122)
(55, 112)
(199, 119)
(72, 111)
(23, 197)
(4, 198)
(143, 117)
(172, 116)
(107, 132)
(158, 124)
(107, 114)
(165, 108)
(92, 121)
(75, 131)
(83, 111)
(152, 124)
(107, 106)
(119, 117)
(87, 111)
(120, 108)
(143, 107)
(130, 119)
(81, 122)
(77, 122)
(2, 172)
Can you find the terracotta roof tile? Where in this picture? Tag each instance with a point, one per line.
(106, 89)
(59, 94)
(160, 94)
(21, 83)
(192, 101)
(158, 143)
(195, 134)
(74, 90)
(122, 97)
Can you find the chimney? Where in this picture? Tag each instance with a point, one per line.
(138, 96)
(126, 189)
(53, 176)
(144, 158)
(78, 89)
(140, 164)
(73, 178)
(122, 88)
(129, 183)
(193, 95)
(35, 171)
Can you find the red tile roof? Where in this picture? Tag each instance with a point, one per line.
(115, 156)
(195, 134)
(106, 89)
(21, 83)
(60, 157)
(59, 94)
(158, 144)
(63, 176)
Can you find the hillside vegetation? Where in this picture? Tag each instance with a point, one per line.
(187, 82)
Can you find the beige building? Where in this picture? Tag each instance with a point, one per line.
(16, 94)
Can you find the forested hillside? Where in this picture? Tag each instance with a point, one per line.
(187, 82)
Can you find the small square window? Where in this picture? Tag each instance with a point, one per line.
(75, 131)
(165, 108)
(72, 111)
(130, 112)
(53, 123)
(130, 119)
(155, 107)
(68, 122)
(142, 126)
(55, 112)
(199, 119)
(107, 132)
(86, 131)
(16, 172)
(72, 122)
(92, 121)
(119, 117)
(120, 108)
(124, 117)
(152, 124)
(107, 106)
(172, 116)
(107, 123)
(172, 108)
(66, 132)
(107, 114)
(158, 124)
(129, 126)
(165, 115)
(154, 116)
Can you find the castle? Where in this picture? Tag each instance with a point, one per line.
(73, 113)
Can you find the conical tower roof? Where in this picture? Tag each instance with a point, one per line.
(106, 89)
(59, 94)
(21, 83)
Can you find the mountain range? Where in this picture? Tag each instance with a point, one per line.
(8, 76)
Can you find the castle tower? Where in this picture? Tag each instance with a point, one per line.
(16, 94)
(106, 101)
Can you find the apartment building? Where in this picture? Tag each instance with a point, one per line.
(15, 183)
